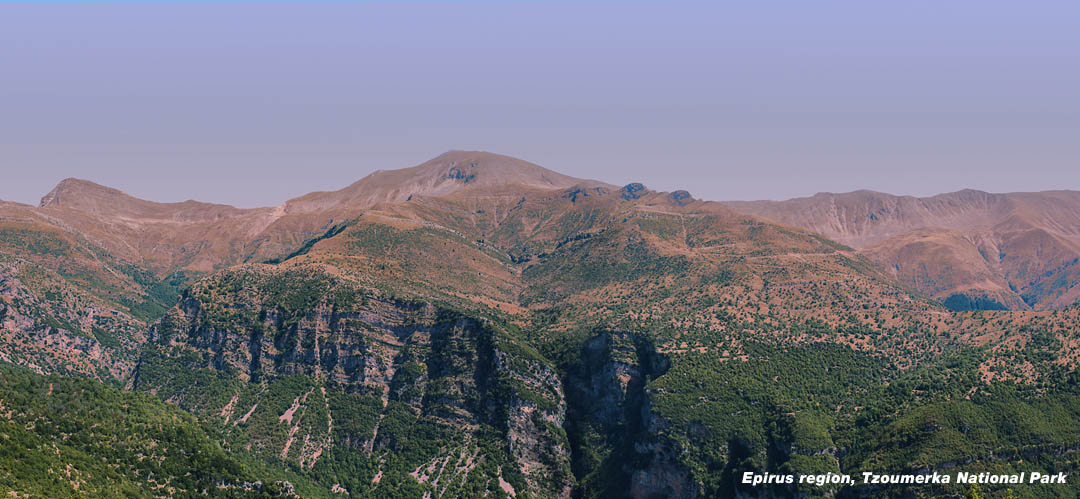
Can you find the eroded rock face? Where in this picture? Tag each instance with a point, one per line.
(283, 373)
(615, 377)
(355, 348)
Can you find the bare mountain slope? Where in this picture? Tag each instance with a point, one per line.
(1018, 250)
(164, 237)
(88, 197)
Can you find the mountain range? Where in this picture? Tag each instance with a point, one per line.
(480, 326)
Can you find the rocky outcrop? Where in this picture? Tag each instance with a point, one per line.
(632, 191)
(616, 376)
(681, 198)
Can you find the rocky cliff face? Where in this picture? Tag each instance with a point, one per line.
(616, 434)
(308, 376)
(322, 368)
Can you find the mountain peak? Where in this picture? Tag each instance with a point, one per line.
(74, 194)
(81, 194)
(445, 174)
(486, 168)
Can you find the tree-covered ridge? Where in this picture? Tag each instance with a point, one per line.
(826, 408)
(68, 437)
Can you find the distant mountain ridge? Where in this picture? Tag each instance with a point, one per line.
(443, 175)
(201, 237)
(977, 249)
(479, 326)
(1018, 250)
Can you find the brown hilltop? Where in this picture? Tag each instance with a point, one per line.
(464, 173)
(161, 236)
(90, 198)
(1018, 249)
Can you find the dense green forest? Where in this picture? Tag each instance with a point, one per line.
(67, 437)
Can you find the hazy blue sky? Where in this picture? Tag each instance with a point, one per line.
(252, 103)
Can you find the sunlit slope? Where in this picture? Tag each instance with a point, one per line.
(969, 249)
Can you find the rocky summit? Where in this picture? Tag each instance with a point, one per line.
(480, 326)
